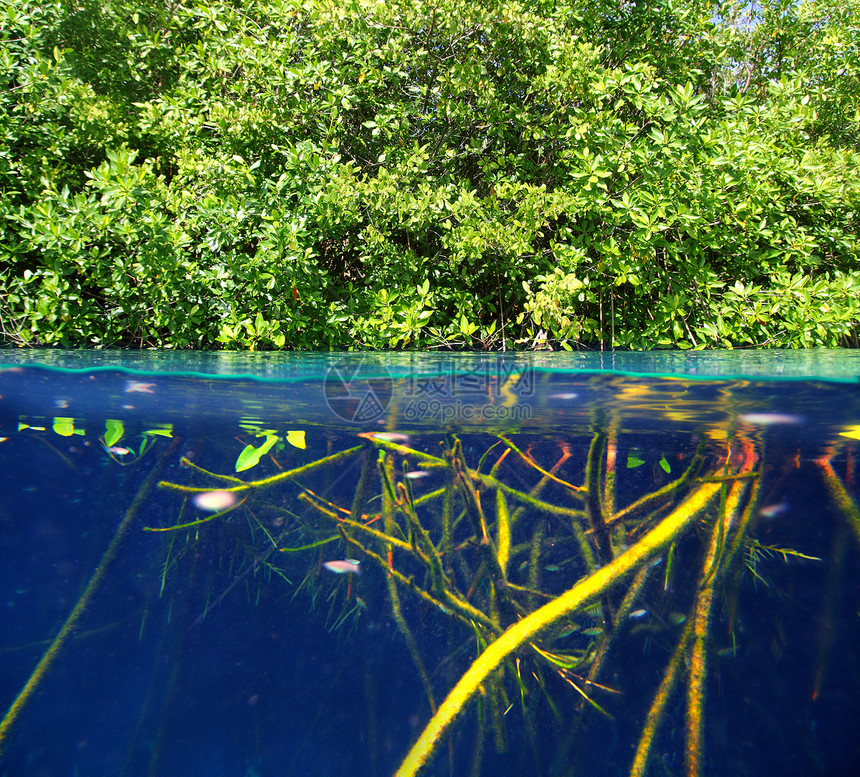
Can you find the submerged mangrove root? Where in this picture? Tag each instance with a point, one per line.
(603, 651)
(465, 548)
(274, 480)
(846, 504)
(80, 607)
(661, 701)
(581, 595)
(732, 518)
(697, 683)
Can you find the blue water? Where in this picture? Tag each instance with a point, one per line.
(209, 650)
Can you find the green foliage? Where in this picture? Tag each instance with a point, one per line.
(276, 174)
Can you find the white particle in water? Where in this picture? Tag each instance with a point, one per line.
(214, 501)
(773, 510)
(139, 387)
(770, 419)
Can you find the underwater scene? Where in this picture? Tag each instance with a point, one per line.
(451, 566)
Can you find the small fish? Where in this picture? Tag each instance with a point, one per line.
(564, 396)
(390, 436)
(638, 613)
(417, 474)
(348, 566)
(774, 510)
(770, 419)
(137, 387)
(118, 450)
(214, 501)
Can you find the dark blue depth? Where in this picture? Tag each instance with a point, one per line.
(195, 656)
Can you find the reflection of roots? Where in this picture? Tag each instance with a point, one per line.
(480, 550)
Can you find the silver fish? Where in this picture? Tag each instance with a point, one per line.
(348, 566)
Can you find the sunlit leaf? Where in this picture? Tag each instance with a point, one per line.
(664, 463)
(296, 439)
(64, 426)
(114, 430)
(853, 432)
(250, 456)
(634, 461)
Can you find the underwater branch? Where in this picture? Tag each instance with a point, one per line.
(581, 595)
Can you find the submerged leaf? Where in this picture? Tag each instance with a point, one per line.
(64, 426)
(166, 431)
(250, 456)
(567, 660)
(114, 431)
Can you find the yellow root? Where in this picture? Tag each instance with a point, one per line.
(847, 506)
(582, 594)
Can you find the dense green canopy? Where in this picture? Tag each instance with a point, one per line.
(359, 173)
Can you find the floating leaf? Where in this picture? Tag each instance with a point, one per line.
(250, 456)
(296, 439)
(852, 432)
(664, 463)
(114, 430)
(634, 461)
